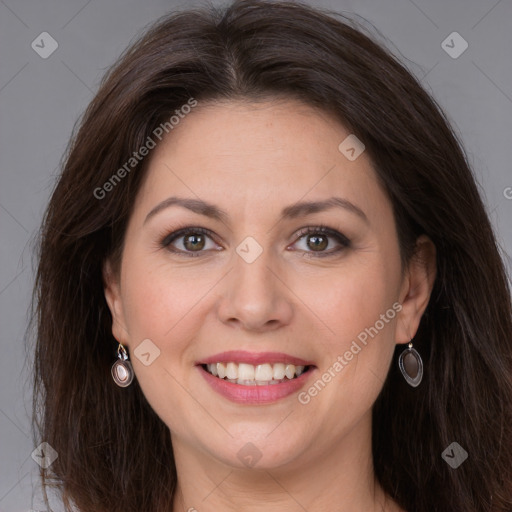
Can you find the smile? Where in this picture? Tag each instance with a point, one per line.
(255, 375)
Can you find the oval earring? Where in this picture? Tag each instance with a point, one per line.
(411, 366)
(122, 370)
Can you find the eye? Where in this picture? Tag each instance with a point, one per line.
(319, 238)
(192, 241)
(189, 240)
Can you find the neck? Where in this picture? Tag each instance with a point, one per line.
(322, 478)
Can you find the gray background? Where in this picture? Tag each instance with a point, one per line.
(41, 99)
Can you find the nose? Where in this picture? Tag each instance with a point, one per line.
(255, 297)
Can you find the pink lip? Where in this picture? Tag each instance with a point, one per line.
(251, 395)
(241, 356)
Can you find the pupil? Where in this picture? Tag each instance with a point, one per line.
(322, 244)
(198, 242)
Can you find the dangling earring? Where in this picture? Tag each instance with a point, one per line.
(411, 366)
(122, 370)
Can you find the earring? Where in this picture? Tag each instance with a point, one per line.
(411, 366)
(122, 370)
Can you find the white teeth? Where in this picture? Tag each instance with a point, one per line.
(245, 371)
(232, 371)
(290, 371)
(250, 375)
(263, 372)
(278, 371)
(246, 382)
(221, 370)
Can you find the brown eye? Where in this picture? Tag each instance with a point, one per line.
(317, 242)
(318, 239)
(188, 241)
(194, 242)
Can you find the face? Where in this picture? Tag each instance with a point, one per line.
(280, 285)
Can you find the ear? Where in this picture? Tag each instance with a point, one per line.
(112, 290)
(416, 289)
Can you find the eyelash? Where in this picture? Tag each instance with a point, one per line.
(320, 229)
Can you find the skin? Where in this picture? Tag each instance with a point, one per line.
(252, 160)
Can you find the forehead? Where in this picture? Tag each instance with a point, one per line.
(245, 154)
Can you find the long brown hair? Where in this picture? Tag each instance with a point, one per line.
(114, 451)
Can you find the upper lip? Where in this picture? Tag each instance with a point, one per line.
(254, 358)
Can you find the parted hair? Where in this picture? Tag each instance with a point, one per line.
(114, 452)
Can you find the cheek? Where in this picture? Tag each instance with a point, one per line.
(356, 304)
(351, 298)
(158, 297)
(158, 305)
(148, 302)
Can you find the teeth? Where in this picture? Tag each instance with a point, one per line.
(250, 375)
(290, 371)
(245, 371)
(278, 372)
(263, 372)
(232, 371)
(221, 370)
(246, 382)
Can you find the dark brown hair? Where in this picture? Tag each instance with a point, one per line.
(115, 453)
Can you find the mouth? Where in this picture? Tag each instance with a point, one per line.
(255, 378)
(256, 375)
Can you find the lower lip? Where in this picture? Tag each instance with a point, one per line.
(255, 394)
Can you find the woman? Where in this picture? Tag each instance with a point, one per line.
(267, 282)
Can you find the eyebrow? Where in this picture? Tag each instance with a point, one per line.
(290, 212)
